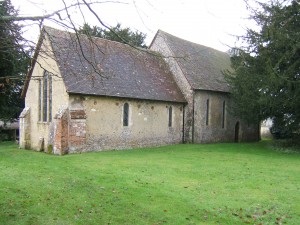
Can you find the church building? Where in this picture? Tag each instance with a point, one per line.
(90, 94)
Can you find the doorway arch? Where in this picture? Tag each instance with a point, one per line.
(237, 132)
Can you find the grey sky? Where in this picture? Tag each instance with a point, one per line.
(207, 22)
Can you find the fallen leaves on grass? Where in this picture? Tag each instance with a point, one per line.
(256, 215)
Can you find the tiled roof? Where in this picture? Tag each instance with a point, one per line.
(201, 65)
(95, 66)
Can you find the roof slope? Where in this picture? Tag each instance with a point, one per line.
(95, 66)
(201, 65)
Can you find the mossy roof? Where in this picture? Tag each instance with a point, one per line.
(96, 66)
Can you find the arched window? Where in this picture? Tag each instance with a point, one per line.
(40, 100)
(207, 112)
(45, 97)
(170, 116)
(126, 114)
(50, 98)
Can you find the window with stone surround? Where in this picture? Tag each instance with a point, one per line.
(170, 116)
(45, 98)
(223, 114)
(40, 100)
(207, 112)
(50, 98)
(126, 114)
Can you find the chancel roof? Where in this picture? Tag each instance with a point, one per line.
(202, 66)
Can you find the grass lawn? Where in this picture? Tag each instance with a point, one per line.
(182, 184)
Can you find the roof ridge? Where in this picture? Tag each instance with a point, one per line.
(100, 38)
(132, 73)
(192, 42)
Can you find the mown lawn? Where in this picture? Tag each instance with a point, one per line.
(182, 184)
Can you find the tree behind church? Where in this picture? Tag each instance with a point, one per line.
(266, 78)
(117, 33)
(13, 64)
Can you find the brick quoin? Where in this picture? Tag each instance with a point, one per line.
(61, 134)
(77, 129)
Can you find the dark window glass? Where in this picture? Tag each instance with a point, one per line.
(207, 112)
(170, 116)
(223, 115)
(40, 100)
(45, 96)
(125, 114)
(50, 98)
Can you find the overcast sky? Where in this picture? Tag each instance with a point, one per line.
(213, 23)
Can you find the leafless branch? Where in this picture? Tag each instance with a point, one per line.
(42, 17)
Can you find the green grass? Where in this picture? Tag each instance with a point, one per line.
(182, 184)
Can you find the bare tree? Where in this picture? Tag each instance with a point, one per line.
(63, 19)
(13, 23)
